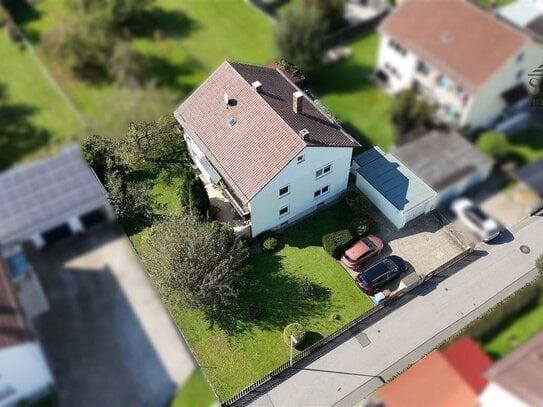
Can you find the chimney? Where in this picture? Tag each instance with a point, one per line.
(257, 86)
(304, 134)
(297, 101)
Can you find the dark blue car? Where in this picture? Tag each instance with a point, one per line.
(381, 273)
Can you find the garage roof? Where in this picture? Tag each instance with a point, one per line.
(45, 189)
(393, 180)
(532, 175)
(441, 158)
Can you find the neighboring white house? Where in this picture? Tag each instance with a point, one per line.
(396, 191)
(276, 155)
(526, 15)
(465, 60)
(24, 374)
(48, 199)
(445, 161)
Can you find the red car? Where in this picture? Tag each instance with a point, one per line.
(362, 250)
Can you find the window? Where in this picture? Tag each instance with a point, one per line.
(284, 191)
(422, 68)
(520, 57)
(397, 47)
(323, 171)
(520, 74)
(300, 159)
(321, 191)
(284, 211)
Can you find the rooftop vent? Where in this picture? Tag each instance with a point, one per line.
(298, 101)
(232, 122)
(257, 86)
(226, 98)
(304, 134)
(447, 37)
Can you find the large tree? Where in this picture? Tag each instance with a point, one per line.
(301, 37)
(332, 11)
(186, 257)
(409, 112)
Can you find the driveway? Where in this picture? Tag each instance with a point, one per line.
(108, 338)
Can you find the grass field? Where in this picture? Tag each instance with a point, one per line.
(195, 392)
(238, 350)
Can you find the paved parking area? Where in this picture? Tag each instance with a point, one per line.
(108, 338)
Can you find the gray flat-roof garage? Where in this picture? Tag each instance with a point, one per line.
(394, 189)
(50, 199)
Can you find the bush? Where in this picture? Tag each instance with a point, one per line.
(306, 288)
(410, 112)
(296, 330)
(359, 203)
(269, 244)
(361, 227)
(539, 263)
(335, 243)
(493, 143)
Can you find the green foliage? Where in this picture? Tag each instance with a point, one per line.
(184, 256)
(116, 13)
(364, 226)
(359, 203)
(335, 243)
(331, 10)
(306, 288)
(126, 65)
(493, 143)
(297, 331)
(410, 111)
(223, 232)
(269, 244)
(301, 37)
(199, 204)
(539, 263)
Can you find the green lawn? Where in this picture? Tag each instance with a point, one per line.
(246, 343)
(527, 145)
(527, 324)
(344, 88)
(195, 392)
(34, 119)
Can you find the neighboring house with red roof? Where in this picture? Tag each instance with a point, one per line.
(517, 379)
(465, 60)
(274, 152)
(453, 377)
(24, 374)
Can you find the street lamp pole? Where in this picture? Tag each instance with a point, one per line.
(293, 341)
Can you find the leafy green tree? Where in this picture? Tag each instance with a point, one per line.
(493, 143)
(185, 256)
(331, 10)
(301, 37)
(410, 112)
(100, 154)
(117, 13)
(126, 65)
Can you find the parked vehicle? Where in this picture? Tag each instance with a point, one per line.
(364, 249)
(381, 273)
(481, 224)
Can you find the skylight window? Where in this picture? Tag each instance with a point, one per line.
(232, 122)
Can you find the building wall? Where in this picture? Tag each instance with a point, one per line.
(487, 103)
(300, 177)
(495, 395)
(24, 373)
(405, 65)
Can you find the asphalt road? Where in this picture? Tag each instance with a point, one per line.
(353, 368)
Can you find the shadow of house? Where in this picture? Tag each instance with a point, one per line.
(97, 348)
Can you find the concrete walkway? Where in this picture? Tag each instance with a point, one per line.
(364, 359)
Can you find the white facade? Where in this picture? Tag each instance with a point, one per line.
(456, 105)
(496, 396)
(300, 177)
(24, 374)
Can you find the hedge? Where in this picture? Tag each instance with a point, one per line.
(337, 242)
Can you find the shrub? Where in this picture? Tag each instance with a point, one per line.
(364, 226)
(359, 203)
(410, 112)
(335, 243)
(306, 288)
(493, 143)
(269, 244)
(296, 330)
(539, 263)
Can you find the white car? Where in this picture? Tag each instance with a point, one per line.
(482, 225)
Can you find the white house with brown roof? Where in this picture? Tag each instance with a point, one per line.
(276, 155)
(467, 61)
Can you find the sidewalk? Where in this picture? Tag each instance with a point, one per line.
(356, 367)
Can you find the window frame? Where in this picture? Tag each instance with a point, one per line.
(286, 193)
(300, 159)
(323, 173)
(287, 211)
(319, 193)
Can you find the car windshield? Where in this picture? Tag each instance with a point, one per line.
(476, 215)
(369, 243)
(390, 264)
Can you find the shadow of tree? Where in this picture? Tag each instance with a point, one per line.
(270, 300)
(170, 75)
(342, 77)
(176, 23)
(311, 337)
(24, 14)
(18, 135)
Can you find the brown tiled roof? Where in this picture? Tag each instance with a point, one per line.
(462, 41)
(13, 325)
(521, 371)
(265, 137)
